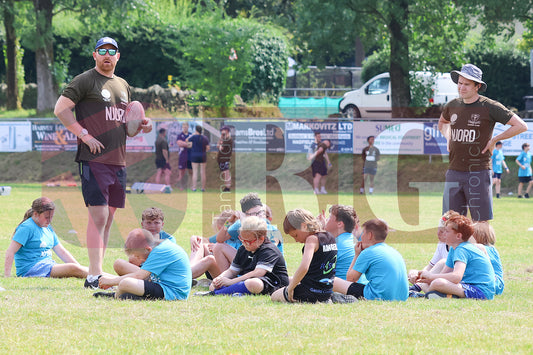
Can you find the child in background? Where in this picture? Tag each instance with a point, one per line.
(437, 262)
(524, 173)
(468, 272)
(484, 234)
(32, 245)
(163, 270)
(498, 164)
(383, 266)
(152, 220)
(258, 267)
(313, 280)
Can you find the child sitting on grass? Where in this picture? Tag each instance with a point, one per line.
(436, 263)
(163, 270)
(32, 245)
(468, 272)
(258, 266)
(313, 280)
(484, 235)
(383, 266)
(152, 220)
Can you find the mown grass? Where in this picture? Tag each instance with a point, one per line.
(59, 316)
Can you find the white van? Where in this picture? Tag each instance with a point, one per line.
(373, 99)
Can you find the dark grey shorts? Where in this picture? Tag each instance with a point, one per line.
(465, 191)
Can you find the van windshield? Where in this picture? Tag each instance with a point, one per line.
(378, 86)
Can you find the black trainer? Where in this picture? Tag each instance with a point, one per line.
(337, 297)
(526, 195)
(104, 294)
(92, 285)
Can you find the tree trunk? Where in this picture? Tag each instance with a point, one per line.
(359, 52)
(399, 58)
(13, 99)
(44, 56)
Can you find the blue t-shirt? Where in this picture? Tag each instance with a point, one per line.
(165, 235)
(37, 244)
(345, 254)
(479, 271)
(525, 159)
(494, 257)
(386, 273)
(169, 266)
(272, 233)
(497, 161)
(199, 144)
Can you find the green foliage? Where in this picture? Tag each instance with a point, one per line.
(377, 63)
(207, 46)
(505, 70)
(269, 62)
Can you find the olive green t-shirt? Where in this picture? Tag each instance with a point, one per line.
(471, 127)
(100, 105)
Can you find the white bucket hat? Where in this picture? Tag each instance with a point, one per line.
(470, 72)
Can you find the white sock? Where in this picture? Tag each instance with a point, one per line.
(371, 189)
(92, 278)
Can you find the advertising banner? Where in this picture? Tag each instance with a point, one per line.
(15, 136)
(258, 136)
(301, 134)
(52, 137)
(390, 137)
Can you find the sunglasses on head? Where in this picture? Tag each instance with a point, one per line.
(103, 51)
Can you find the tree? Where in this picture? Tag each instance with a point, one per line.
(13, 101)
(430, 29)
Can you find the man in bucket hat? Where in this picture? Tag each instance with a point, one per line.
(467, 122)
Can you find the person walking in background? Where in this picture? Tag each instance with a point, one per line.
(161, 157)
(498, 163)
(184, 161)
(199, 145)
(99, 98)
(320, 163)
(524, 173)
(370, 157)
(467, 123)
(225, 150)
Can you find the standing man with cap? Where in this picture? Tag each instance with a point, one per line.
(467, 123)
(99, 98)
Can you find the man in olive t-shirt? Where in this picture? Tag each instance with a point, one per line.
(467, 123)
(100, 99)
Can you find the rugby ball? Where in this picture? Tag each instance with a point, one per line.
(134, 117)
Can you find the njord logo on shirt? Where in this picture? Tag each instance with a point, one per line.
(464, 135)
(113, 113)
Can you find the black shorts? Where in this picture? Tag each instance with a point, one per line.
(162, 164)
(198, 159)
(268, 286)
(304, 294)
(356, 289)
(319, 167)
(524, 179)
(497, 176)
(224, 165)
(103, 184)
(152, 291)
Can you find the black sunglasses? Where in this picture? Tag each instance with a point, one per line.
(103, 51)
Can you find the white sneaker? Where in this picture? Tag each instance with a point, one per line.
(317, 192)
(323, 191)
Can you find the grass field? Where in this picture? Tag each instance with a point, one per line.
(60, 316)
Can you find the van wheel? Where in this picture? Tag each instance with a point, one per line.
(351, 111)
